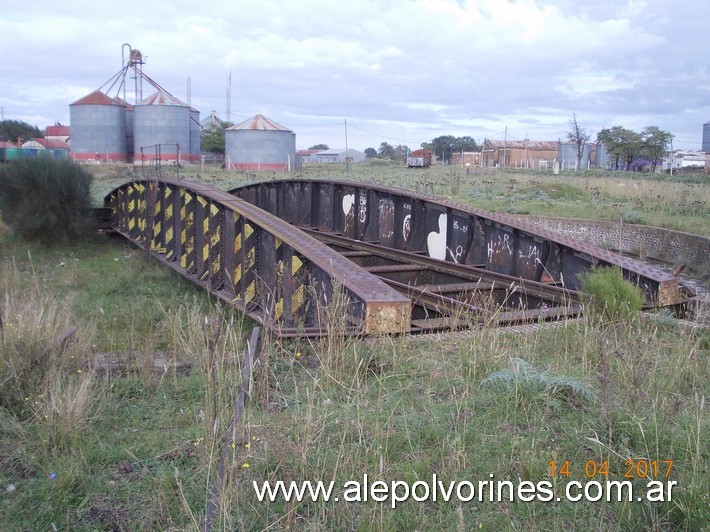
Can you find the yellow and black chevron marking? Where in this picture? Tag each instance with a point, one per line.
(211, 239)
(290, 290)
(216, 246)
(278, 289)
(203, 237)
(298, 296)
(142, 210)
(131, 215)
(245, 260)
(157, 241)
(118, 212)
(187, 235)
(168, 222)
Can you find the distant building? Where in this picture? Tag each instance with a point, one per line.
(684, 159)
(57, 132)
(260, 144)
(466, 158)
(308, 156)
(46, 144)
(212, 121)
(340, 155)
(39, 146)
(519, 153)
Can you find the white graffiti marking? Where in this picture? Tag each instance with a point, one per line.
(436, 242)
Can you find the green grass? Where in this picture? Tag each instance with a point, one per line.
(680, 202)
(139, 448)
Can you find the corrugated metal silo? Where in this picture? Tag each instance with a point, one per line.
(129, 127)
(706, 137)
(161, 119)
(603, 159)
(98, 128)
(260, 144)
(568, 156)
(195, 134)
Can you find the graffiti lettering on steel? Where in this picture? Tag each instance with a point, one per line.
(386, 222)
(362, 209)
(349, 212)
(436, 241)
(454, 232)
(406, 222)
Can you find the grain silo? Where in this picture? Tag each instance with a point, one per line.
(161, 127)
(98, 129)
(260, 144)
(706, 137)
(195, 134)
(568, 156)
(129, 127)
(603, 158)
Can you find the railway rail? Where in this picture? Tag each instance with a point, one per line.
(280, 251)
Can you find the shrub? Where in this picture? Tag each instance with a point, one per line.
(527, 383)
(607, 294)
(634, 217)
(46, 199)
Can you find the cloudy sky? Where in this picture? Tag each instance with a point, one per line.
(397, 71)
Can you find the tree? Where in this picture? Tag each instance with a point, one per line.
(443, 146)
(579, 137)
(212, 138)
(465, 144)
(386, 151)
(655, 143)
(11, 130)
(400, 152)
(370, 153)
(319, 147)
(623, 145)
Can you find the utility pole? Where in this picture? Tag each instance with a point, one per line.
(2, 133)
(671, 157)
(505, 145)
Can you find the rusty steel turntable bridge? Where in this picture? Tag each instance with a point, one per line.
(281, 250)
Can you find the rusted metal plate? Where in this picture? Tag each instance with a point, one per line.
(453, 232)
(250, 258)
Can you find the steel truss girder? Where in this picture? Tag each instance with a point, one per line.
(255, 261)
(449, 231)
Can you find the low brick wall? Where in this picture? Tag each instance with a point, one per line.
(665, 245)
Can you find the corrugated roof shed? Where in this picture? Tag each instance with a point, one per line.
(260, 122)
(522, 144)
(51, 143)
(56, 131)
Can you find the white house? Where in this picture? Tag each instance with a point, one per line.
(684, 159)
(339, 155)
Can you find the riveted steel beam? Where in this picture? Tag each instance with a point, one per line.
(278, 275)
(449, 231)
